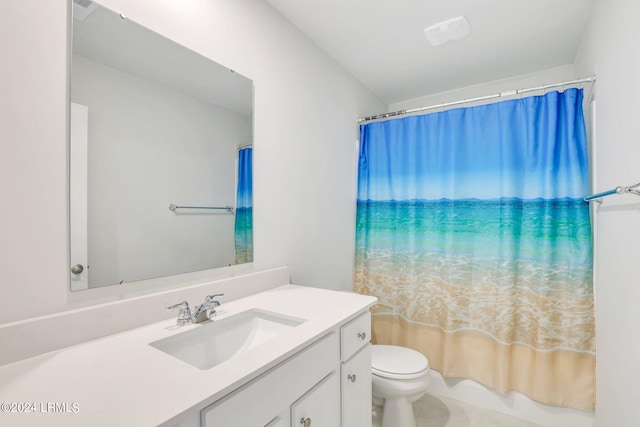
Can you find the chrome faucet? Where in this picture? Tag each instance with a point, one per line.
(204, 311)
(209, 304)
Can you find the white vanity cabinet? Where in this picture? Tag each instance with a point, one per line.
(328, 384)
(301, 356)
(355, 372)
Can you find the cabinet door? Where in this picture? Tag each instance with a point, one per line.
(356, 389)
(320, 407)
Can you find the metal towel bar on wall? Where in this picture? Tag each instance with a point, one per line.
(633, 189)
(173, 207)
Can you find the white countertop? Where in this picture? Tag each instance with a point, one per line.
(121, 380)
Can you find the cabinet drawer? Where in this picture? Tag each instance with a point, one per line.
(275, 390)
(354, 335)
(320, 407)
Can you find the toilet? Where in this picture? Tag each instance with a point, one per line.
(400, 376)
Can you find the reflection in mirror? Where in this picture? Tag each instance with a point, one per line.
(154, 124)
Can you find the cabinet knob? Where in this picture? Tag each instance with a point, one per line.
(306, 422)
(352, 377)
(362, 335)
(77, 269)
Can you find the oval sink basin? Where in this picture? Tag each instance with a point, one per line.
(214, 342)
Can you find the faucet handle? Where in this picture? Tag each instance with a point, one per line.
(212, 303)
(181, 305)
(210, 300)
(184, 316)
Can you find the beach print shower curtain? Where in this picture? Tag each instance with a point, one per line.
(244, 207)
(472, 233)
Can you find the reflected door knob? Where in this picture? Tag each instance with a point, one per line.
(77, 269)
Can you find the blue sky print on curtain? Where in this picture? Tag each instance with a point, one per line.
(244, 207)
(471, 223)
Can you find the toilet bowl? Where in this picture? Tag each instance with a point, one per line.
(400, 376)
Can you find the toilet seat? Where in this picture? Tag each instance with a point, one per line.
(401, 363)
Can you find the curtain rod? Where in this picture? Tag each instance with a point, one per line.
(480, 98)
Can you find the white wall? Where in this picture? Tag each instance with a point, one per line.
(610, 50)
(150, 146)
(304, 132)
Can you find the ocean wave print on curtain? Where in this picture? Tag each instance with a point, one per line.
(244, 207)
(472, 233)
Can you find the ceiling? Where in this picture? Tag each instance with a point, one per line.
(382, 42)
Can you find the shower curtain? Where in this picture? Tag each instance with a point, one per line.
(244, 207)
(472, 232)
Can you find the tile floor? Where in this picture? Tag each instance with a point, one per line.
(439, 411)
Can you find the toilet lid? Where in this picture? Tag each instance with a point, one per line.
(392, 361)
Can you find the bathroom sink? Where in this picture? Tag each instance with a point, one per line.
(216, 341)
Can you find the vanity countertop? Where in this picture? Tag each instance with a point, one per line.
(121, 380)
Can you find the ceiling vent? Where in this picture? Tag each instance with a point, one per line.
(82, 9)
(446, 31)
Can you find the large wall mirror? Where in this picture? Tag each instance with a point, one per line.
(160, 155)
